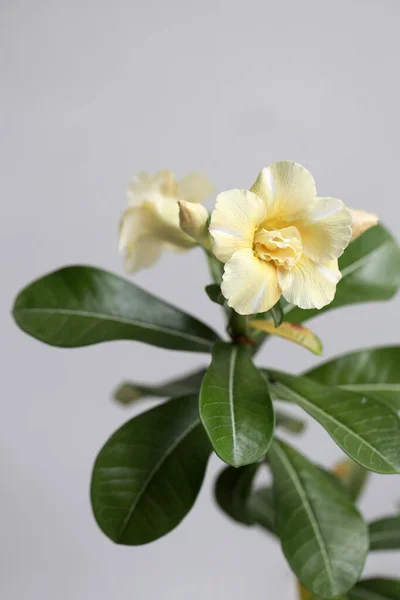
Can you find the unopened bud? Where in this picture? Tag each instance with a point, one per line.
(361, 222)
(193, 220)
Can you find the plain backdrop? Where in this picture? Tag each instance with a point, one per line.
(92, 92)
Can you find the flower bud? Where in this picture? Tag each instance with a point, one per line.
(361, 222)
(193, 220)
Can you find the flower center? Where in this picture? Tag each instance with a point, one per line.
(282, 246)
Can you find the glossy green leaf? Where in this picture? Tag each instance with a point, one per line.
(129, 392)
(373, 372)
(353, 476)
(370, 268)
(261, 508)
(365, 429)
(322, 534)
(384, 534)
(235, 406)
(79, 306)
(147, 476)
(376, 589)
(233, 490)
(213, 291)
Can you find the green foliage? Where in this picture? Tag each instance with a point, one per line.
(233, 490)
(374, 373)
(370, 269)
(79, 306)
(353, 477)
(147, 476)
(277, 314)
(261, 507)
(367, 430)
(213, 291)
(384, 534)
(129, 392)
(323, 536)
(376, 589)
(235, 406)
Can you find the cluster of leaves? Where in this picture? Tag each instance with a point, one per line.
(149, 472)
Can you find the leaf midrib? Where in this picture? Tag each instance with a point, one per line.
(310, 513)
(113, 318)
(152, 473)
(232, 364)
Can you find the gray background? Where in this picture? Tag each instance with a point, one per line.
(93, 91)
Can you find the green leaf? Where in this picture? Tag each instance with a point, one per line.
(235, 406)
(289, 423)
(261, 507)
(376, 589)
(366, 430)
(353, 476)
(129, 392)
(384, 534)
(213, 291)
(370, 268)
(373, 373)
(293, 332)
(277, 314)
(322, 534)
(232, 492)
(147, 476)
(79, 306)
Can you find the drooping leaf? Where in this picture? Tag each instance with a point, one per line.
(79, 306)
(353, 476)
(370, 268)
(129, 392)
(262, 508)
(293, 332)
(233, 490)
(148, 474)
(365, 429)
(277, 314)
(384, 534)
(376, 589)
(322, 534)
(235, 406)
(373, 372)
(213, 291)
(289, 422)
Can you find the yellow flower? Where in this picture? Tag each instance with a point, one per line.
(279, 239)
(361, 222)
(151, 223)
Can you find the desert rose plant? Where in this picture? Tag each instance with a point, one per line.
(278, 256)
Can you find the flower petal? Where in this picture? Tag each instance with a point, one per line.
(287, 188)
(325, 230)
(195, 187)
(144, 253)
(153, 188)
(361, 222)
(309, 284)
(233, 222)
(249, 284)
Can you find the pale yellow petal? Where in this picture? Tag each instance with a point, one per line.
(144, 253)
(361, 222)
(287, 189)
(195, 187)
(309, 284)
(233, 222)
(325, 230)
(145, 220)
(249, 284)
(151, 188)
